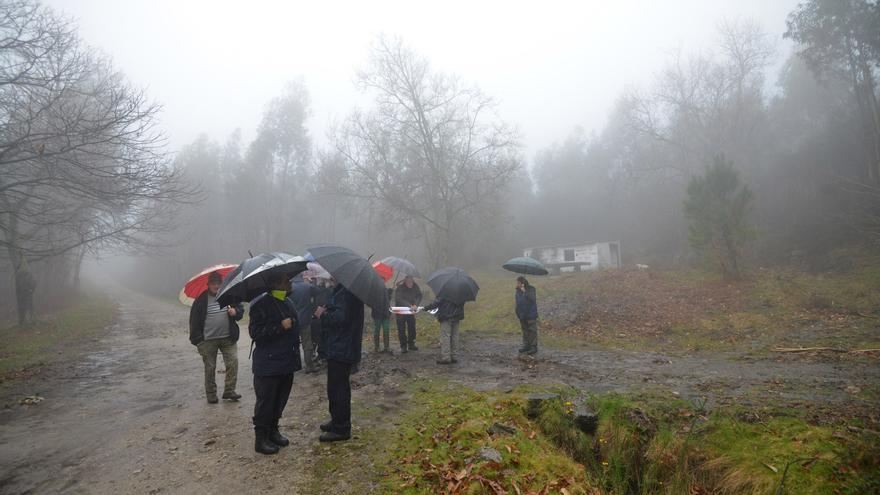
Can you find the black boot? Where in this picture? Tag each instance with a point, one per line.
(327, 426)
(263, 445)
(332, 436)
(277, 438)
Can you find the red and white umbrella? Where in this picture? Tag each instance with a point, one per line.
(199, 283)
(384, 271)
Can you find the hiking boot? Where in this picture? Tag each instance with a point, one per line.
(263, 445)
(277, 438)
(532, 351)
(231, 396)
(523, 350)
(388, 351)
(413, 347)
(213, 400)
(445, 361)
(403, 350)
(332, 436)
(328, 426)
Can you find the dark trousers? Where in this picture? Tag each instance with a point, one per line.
(339, 396)
(406, 330)
(272, 393)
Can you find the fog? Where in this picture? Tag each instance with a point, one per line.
(215, 65)
(698, 134)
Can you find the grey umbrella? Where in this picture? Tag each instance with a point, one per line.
(352, 271)
(453, 284)
(402, 266)
(527, 266)
(248, 280)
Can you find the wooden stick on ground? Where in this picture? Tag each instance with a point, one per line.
(817, 349)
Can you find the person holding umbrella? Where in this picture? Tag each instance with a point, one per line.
(407, 294)
(527, 312)
(273, 329)
(212, 329)
(357, 283)
(453, 288)
(526, 300)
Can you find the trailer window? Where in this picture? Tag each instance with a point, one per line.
(569, 255)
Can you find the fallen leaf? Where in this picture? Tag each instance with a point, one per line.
(771, 467)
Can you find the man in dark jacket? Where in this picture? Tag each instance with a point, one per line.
(322, 296)
(449, 314)
(212, 329)
(343, 320)
(407, 294)
(274, 331)
(303, 295)
(527, 312)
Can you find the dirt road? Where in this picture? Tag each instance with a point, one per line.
(131, 416)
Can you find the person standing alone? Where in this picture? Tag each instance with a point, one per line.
(527, 312)
(213, 329)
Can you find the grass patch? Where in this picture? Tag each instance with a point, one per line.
(671, 446)
(438, 447)
(51, 337)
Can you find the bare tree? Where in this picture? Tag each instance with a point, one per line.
(431, 152)
(82, 163)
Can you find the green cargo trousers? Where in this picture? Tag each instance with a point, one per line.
(208, 350)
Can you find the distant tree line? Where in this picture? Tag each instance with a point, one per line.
(717, 161)
(82, 164)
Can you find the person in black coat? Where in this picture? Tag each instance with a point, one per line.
(343, 322)
(274, 330)
(213, 329)
(527, 312)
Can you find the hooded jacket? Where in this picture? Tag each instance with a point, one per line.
(276, 350)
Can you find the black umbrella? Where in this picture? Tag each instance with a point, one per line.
(402, 266)
(249, 279)
(453, 284)
(528, 266)
(354, 272)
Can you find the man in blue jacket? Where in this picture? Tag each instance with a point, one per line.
(213, 329)
(343, 322)
(527, 312)
(274, 331)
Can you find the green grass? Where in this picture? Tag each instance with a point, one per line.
(437, 447)
(52, 337)
(681, 448)
(771, 308)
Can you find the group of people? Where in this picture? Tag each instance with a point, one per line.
(326, 320)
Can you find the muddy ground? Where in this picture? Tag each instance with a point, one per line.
(130, 416)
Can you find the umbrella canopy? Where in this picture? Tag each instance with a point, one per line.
(198, 283)
(384, 271)
(453, 284)
(402, 266)
(317, 270)
(248, 280)
(354, 272)
(527, 266)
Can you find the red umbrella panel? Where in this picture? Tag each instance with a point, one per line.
(384, 271)
(199, 283)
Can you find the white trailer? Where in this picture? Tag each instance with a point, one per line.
(580, 256)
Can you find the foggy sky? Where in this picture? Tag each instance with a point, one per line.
(550, 65)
